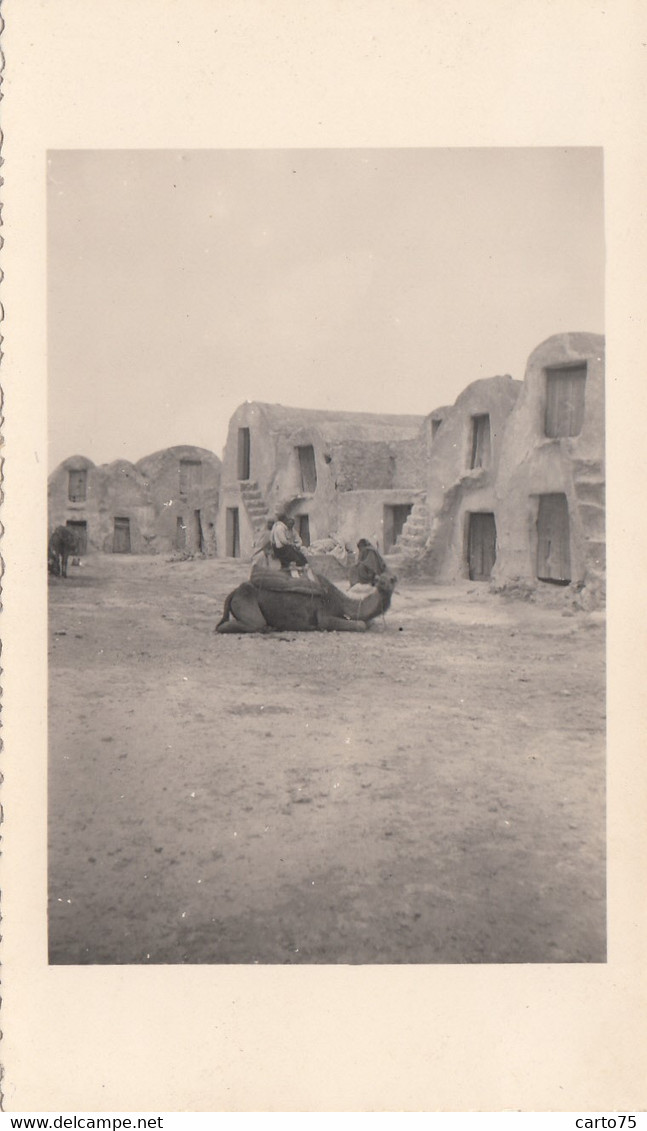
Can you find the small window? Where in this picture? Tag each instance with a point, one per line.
(244, 452)
(480, 450)
(77, 486)
(308, 468)
(190, 475)
(565, 390)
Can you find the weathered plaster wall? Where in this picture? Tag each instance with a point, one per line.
(534, 465)
(454, 489)
(410, 462)
(354, 452)
(61, 509)
(431, 427)
(358, 465)
(274, 466)
(145, 493)
(161, 470)
(125, 494)
(361, 513)
(286, 491)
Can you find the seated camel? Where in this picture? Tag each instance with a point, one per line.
(271, 601)
(62, 543)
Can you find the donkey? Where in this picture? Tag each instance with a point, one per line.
(61, 544)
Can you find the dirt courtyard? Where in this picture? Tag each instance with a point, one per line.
(429, 792)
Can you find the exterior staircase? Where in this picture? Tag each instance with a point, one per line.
(255, 505)
(413, 537)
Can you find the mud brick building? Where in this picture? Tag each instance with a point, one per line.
(464, 454)
(352, 474)
(166, 501)
(504, 486)
(515, 476)
(549, 497)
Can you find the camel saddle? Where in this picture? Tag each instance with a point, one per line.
(280, 581)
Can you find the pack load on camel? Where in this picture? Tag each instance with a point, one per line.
(61, 546)
(276, 600)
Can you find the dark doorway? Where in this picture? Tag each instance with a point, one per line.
(197, 537)
(565, 390)
(244, 450)
(553, 540)
(233, 533)
(481, 546)
(121, 536)
(180, 534)
(308, 469)
(394, 520)
(303, 526)
(480, 450)
(81, 531)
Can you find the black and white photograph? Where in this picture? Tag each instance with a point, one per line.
(326, 556)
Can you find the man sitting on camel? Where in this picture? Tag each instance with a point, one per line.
(286, 544)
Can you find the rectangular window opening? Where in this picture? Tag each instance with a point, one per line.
(565, 398)
(190, 475)
(480, 450)
(244, 453)
(77, 486)
(308, 469)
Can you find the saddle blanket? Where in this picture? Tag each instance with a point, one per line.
(281, 581)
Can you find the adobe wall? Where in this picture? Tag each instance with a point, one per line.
(532, 464)
(361, 513)
(262, 447)
(358, 465)
(274, 466)
(410, 462)
(124, 494)
(286, 491)
(147, 494)
(161, 470)
(431, 427)
(60, 508)
(454, 489)
(354, 455)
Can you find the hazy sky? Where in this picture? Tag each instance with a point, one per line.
(183, 283)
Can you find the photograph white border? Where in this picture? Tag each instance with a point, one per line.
(244, 73)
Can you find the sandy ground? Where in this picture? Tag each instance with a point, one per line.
(431, 791)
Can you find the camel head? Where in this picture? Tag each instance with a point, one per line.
(385, 583)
